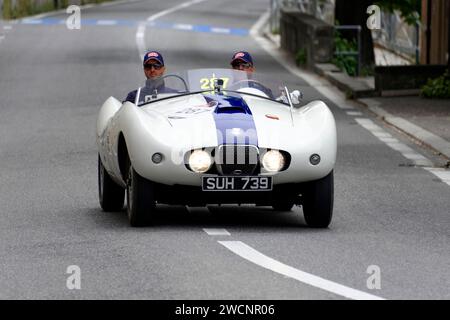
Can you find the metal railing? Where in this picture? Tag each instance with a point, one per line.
(398, 36)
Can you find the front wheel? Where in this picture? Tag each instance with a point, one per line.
(140, 199)
(111, 195)
(318, 202)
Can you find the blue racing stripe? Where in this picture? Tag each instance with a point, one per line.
(234, 120)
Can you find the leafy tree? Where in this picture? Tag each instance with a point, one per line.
(409, 9)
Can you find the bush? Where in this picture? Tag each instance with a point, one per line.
(301, 57)
(347, 63)
(437, 88)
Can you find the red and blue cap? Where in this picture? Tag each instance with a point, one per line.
(242, 55)
(153, 55)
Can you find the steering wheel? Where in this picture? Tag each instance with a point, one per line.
(177, 76)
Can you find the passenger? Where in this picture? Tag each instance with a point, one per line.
(243, 61)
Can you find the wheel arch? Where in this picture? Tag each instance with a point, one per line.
(122, 156)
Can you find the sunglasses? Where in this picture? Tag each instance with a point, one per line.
(153, 65)
(242, 64)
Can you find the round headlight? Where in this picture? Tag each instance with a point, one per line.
(200, 161)
(273, 161)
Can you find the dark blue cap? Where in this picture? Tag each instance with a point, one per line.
(153, 55)
(242, 55)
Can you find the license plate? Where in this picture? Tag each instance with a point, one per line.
(219, 183)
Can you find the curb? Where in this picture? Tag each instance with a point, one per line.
(352, 87)
(441, 146)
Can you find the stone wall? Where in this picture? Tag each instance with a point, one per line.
(300, 32)
(405, 77)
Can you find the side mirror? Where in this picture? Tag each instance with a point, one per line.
(296, 96)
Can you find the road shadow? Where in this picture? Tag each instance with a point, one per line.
(179, 217)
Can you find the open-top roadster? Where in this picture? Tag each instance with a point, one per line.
(218, 136)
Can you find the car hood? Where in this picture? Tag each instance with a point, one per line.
(211, 120)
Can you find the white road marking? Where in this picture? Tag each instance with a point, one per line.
(354, 113)
(220, 30)
(140, 33)
(388, 140)
(106, 22)
(216, 232)
(7, 27)
(252, 255)
(441, 173)
(183, 26)
(32, 21)
(198, 210)
(140, 40)
(382, 135)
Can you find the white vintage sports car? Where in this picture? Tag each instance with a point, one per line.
(216, 136)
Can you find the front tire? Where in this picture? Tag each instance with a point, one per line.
(140, 199)
(111, 195)
(318, 202)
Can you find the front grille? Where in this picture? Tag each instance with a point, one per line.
(237, 159)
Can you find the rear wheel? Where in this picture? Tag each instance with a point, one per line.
(111, 195)
(318, 202)
(140, 199)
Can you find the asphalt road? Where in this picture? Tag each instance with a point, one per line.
(52, 82)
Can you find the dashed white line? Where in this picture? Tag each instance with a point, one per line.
(388, 139)
(140, 40)
(441, 173)
(256, 257)
(32, 21)
(216, 232)
(220, 30)
(381, 134)
(106, 22)
(354, 113)
(140, 33)
(183, 26)
(7, 27)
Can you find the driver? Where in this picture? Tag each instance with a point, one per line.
(243, 61)
(154, 69)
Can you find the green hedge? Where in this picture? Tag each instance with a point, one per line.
(437, 88)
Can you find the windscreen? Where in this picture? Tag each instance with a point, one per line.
(206, 81)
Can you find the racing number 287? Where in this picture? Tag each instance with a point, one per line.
(208, 83)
